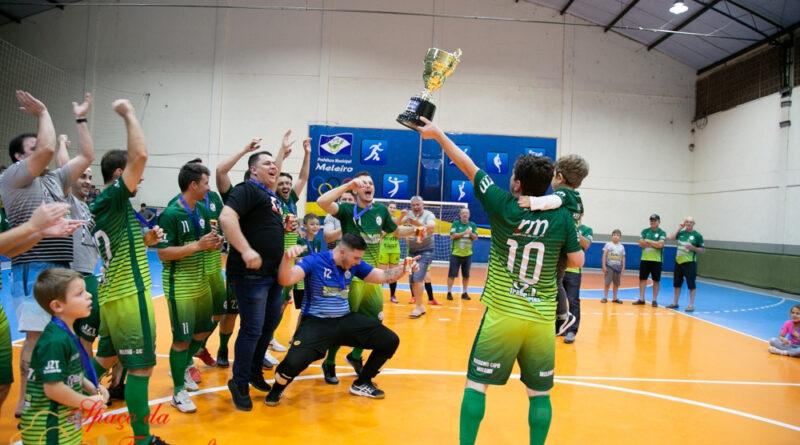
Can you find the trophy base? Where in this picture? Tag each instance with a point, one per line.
(416, 108)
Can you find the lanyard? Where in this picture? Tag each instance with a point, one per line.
(357, 215)
(207, 207)
(142, 220)
(193, 214)
(310, 246)
(86, 362)
(291, 206)
(263, 187)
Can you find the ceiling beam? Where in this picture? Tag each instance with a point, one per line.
(750, 48)
(621, 15)
(56, 2)
(735, 19)
(564, 9)
(683, 24)
(10, 17)
(752, 12)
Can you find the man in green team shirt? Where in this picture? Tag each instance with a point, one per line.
(369, 220)
(183, 254)
(652, 243)
(520, 291)
(463, 232)
(124, 292)
(690, 243)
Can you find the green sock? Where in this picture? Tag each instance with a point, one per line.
(539, 414)
(356, 354)
(213, 326)
(194, 346)
(177, 364)
(98, 368)
(473, 405)
(331, 358)
(136, 399)
(223, 340)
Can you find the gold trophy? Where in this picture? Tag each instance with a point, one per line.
(439, 65)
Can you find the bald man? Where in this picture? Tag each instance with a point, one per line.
(690, 244)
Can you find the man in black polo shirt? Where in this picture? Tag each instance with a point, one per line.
(253, 222)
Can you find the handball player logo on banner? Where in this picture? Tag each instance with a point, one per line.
(395, 186)
(461, 191)
(439, 65)
(336, 145)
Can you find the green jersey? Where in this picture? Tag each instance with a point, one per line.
(287, 207)
(212, 207)
(652, 253)
(370, 224)
(525, 245)
(185, 277)
(119, 239)
(55, 359)
(390, 244)
(684, 255)
(462, 246)
(571, 200)
(587, 233)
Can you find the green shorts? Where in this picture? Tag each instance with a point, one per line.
(366, 299)
(189, 316)
(218, 293)
(6, 371)
(501, 340)
(231, 306)
(87, 327)
(389, 258)
(128, 331)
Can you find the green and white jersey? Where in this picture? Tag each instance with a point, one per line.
(683, 254)
(571, 200)
(651, 253)
(212, 211)
(462, 246)
(587, 233)
(370, 226)
(525, 246)
(287, 207)
(183, 278)
(119, 238)
(55, 359)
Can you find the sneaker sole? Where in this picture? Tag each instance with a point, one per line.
(272, 403)
(356, 392)
(175, 405)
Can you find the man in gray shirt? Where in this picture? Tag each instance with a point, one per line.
(421, 244)
(24, 185)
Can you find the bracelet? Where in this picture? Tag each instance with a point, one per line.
(81, 120)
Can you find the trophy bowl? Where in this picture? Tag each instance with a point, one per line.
(439, 65)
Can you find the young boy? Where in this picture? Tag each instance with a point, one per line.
(56, 382)
(313, 245)
(613, 265)
(569, 172)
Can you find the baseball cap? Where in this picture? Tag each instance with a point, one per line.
(655, 217)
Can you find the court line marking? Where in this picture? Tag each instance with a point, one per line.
(562, 379)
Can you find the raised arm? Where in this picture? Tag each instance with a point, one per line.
(302, 178)
(137, 149)
(289, 273)
(327, 201)
(223, 180)
(62, 152)
(380, 276)
(284, 151)
(461, 159)
(45, 135)
(85, 157)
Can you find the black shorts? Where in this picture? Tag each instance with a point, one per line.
(297, 296)
(688, 271)
(650, 268)
(456, 262)
(319, 334)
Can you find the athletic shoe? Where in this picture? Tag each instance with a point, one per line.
(206, 357)
(412, 300)
(393, 299)
(194, 374)
(222, 358)
(183, 402)
(189, 382)
(604, 300)
(449, 296)
(689, 309)
(329, 371)
(464, 296)
(358, 365)
(775, 350)
(274, 396)
(672, 306)
(638, 302)
(269, 360)
(434, 302)
(655, 304)
(155, 440)
(570, 337)
(259, 383)
(563, 324)
(618, 301)
(240, 395)
(277, 347)
(366, 389)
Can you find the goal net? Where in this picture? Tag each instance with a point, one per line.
(445, 213)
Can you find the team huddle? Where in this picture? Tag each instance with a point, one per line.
(63, 307)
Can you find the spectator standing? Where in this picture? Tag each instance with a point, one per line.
(463, 232)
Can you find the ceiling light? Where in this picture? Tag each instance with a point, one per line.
(678, 8)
